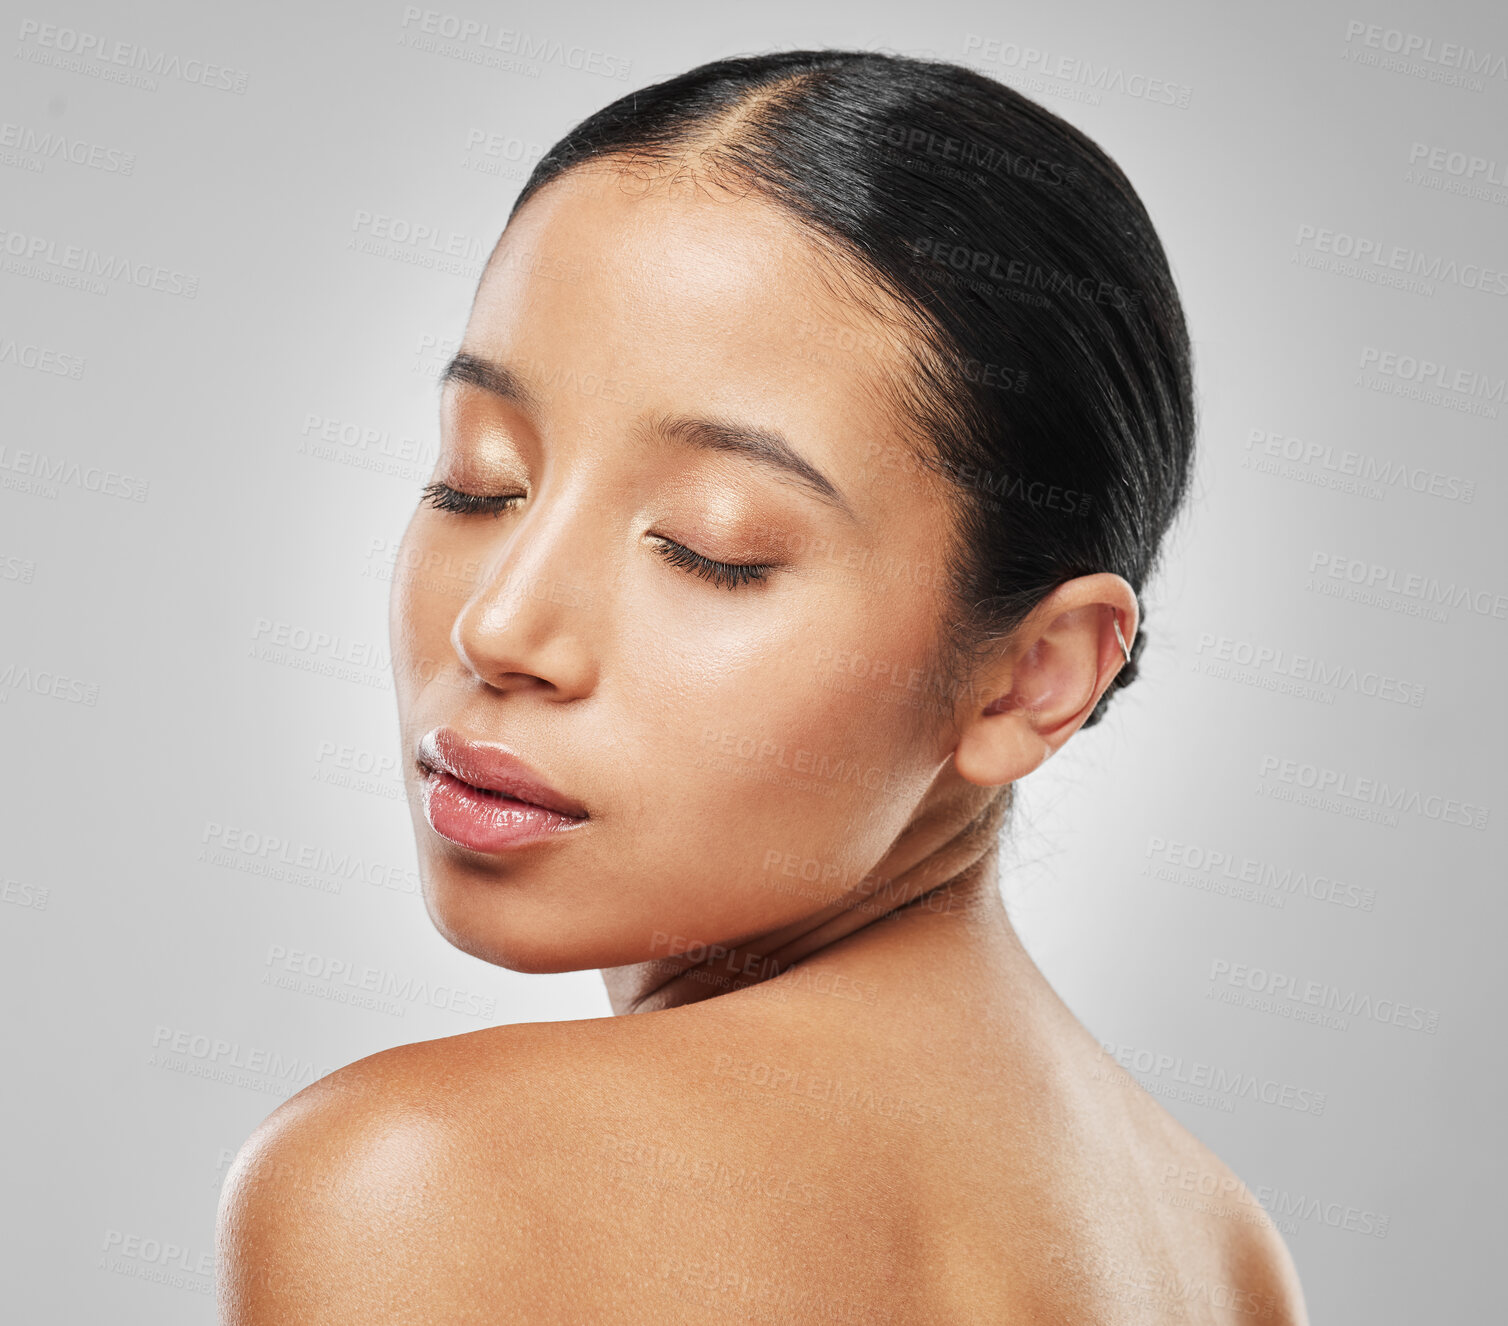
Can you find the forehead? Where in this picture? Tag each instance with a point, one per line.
(680, 286)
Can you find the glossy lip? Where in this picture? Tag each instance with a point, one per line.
(493, 769)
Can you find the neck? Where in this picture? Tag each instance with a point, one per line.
(939, 876)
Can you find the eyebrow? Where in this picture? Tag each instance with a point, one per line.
(766, 446)
(491, 377)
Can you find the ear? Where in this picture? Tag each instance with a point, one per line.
(1049, 676)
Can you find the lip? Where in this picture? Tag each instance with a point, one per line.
(484, 797)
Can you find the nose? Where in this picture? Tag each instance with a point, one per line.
(528, 625)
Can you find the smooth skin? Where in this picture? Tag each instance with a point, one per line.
(905, 1124)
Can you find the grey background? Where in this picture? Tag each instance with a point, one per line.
(149, 730)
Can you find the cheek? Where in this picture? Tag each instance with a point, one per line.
(745, 764)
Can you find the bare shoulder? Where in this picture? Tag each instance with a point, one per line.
(692, 1163)
(1258, 1276)
(585, 1170)
(369, 1195)
(1263, 1262)
(1198, 1193)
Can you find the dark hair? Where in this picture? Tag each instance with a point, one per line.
(1051, 360)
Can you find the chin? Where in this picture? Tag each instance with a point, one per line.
(522, 933)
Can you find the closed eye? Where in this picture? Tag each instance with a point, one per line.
(728, 575)
(443, 497)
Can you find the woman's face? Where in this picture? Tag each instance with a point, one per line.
(745, 755)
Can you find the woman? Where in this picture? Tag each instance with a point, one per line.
(814, 431)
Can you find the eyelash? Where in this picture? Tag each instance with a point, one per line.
(727, 575)
(443, 497)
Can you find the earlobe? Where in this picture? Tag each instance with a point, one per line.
(1000, 745)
